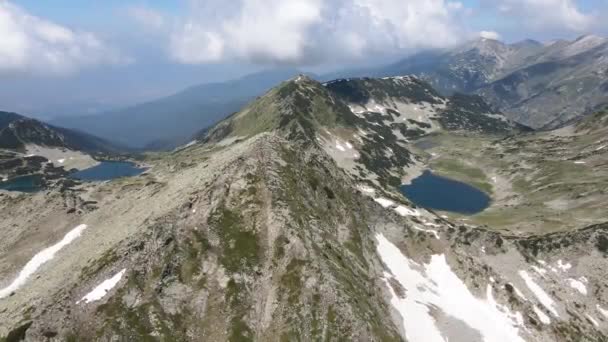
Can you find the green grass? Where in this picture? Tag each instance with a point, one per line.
(291, 281)
(458, 170)
(239, 245)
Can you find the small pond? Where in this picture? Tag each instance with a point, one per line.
(108, 170)
(30, 183)
(439, 193)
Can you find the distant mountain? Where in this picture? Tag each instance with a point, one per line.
(539, 85)
(170, 121)
(561, 82)
(17, 131)
(287, 223)
(466, 67)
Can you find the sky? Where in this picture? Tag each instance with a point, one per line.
(69, 57)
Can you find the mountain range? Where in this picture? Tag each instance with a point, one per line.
(30, 147)
(541, 85)
(170, 121)
(285, 222)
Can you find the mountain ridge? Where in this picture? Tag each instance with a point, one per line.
(285, 222)
(511, 77)
(169, 121)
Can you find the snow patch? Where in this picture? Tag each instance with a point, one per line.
(601, 148)
(366, 189)
(602, 311)
(41, 258)
(541, 315)
(405, 211)
(435, 286)
(563, 266)
(592, 320)
(580, 162)
(539, 270)
(519, 293)
(540, 294)
(102, 289)
(61, 161)
(384, 202)
(427, 231)
(578, 285)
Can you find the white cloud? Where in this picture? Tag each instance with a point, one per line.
(308, 31)
(490, 35)
(544, 15)
(34, 45)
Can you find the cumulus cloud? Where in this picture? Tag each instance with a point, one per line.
(34, 45)
(490, 35)
(309, 31)
(544, 15)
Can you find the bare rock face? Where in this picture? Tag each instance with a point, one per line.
(285, 223)
(537, 85)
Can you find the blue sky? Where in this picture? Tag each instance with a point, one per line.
(104, 53)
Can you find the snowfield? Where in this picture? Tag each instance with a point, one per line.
(102, 289)
(540, 294)
(434, 289)
(385, 203)
(578, 285)
(41, 258)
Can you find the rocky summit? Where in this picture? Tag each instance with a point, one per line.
(541, 85)
(285, 222)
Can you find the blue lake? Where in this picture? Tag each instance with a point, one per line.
(439, 193)
(31, 183)
(108, 170)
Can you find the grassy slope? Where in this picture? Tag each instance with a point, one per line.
(538, 186)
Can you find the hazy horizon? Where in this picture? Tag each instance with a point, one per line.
(74, 58)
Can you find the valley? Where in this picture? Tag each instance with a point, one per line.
(304, 171)
(285, 221)
(540, 182)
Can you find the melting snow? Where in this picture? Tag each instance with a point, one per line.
(102, 289)
(349, 146)
(540, 294)
(367, 189)
(602, 311)
(590, 318)
(41, 258)
(564, 267)
(384, 202)
(539, 270)
(435, 286)
(601, 148)
(61, 161)
(578, 285)
(580, 162)
(405, 211)
(427, 231)
(519, 293)
(340, 147)
(541, 315)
